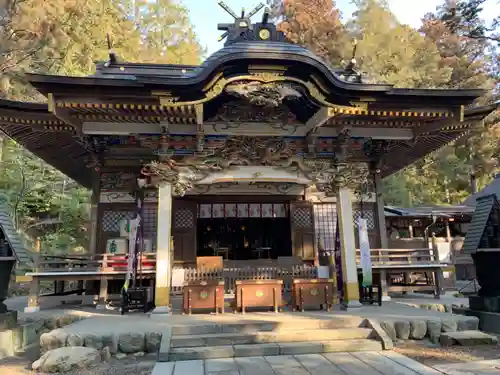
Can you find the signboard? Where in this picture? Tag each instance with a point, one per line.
(178, 277)
(365, 258)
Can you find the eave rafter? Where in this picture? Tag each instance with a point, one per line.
(63, 114)
(455, 120)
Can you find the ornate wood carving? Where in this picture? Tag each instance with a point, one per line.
(253, 151)
(118, 181)
(238, 111)
(261, 94)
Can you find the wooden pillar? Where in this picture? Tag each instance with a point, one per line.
(164, 250)
(382, 230)
(94, 212)
(92, 287)
(34, 292)
(379, 207)
(348, 248)
(448, 231)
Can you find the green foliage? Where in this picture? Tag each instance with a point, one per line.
(393, 53)
(167, 36)
(44, 203)
(453, 49)
(66, 37)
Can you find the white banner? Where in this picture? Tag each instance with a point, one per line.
(365, 257)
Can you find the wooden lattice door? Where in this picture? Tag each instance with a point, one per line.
(302, 227)
(184, 230)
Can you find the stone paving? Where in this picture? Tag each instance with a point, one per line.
(476, 368)
(361, 363)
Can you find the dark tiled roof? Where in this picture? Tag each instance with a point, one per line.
(492, 188)
(484, 207)
(60, 150)
(445, 211)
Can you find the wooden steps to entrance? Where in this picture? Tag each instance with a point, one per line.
(308, 336)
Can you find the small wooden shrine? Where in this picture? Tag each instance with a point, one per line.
(262, 138)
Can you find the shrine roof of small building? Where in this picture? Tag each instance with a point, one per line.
(429, 211)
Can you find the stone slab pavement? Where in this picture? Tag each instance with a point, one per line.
(360, 363)
(486, 367)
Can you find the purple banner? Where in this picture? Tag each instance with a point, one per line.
(338, 261)
(139, 237)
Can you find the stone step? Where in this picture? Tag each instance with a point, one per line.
(467, 338)
(267, 326)
(229, 351)
(219, 339)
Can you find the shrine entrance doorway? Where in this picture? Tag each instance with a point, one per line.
(244, 238)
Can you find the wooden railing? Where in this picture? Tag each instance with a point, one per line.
(399, 257)
(95, 263)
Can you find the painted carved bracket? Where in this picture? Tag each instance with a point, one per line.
(347, 176)
(251, 151)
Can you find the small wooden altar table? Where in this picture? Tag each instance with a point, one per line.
(203, 295)
(258, 293)
(313, 292)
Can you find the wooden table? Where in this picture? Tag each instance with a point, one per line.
(203, 295)
(258, 293)
(313, 292)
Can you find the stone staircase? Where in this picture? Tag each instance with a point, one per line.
(248, 339)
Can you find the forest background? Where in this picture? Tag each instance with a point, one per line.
(454, 48)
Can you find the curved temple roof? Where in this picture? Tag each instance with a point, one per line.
(145, 97)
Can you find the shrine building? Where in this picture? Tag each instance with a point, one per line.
(250, 156)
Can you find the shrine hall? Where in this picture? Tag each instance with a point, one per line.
(258, 157)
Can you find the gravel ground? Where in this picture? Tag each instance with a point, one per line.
(430, 354)
(127, 366)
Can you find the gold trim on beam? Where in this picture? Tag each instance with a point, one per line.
(213, 81)
(51, 104)
(59, 128)
(16, 120)
(362, 105)
(268, 68)
(320, 83)
(199, 113)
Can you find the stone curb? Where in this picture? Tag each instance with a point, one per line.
(164, 349)
(434, 326)
(387, 343)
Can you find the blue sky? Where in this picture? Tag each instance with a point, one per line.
(206, 14)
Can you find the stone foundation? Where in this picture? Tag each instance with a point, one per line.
(128, 343)
(25, 337)
(432, 328)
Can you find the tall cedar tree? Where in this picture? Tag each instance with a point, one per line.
(472, 60)
(313, 24)
(464, 18)
(389, 52)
